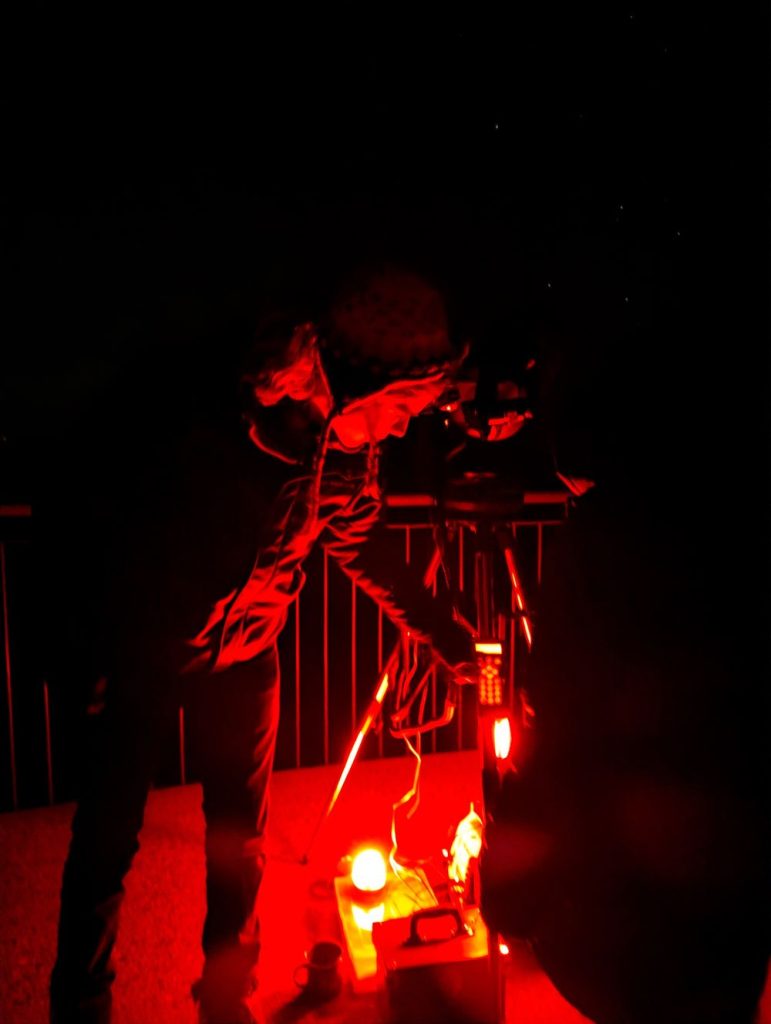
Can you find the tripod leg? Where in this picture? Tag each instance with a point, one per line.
(507, 545)
(492, 691)
(370, 716)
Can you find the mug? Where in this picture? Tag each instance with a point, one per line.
(322, 971)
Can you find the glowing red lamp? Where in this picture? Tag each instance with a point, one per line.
(502, 738)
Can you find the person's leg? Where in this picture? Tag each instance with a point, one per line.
(238, 722)
(118, 766)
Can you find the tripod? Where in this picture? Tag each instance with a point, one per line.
(503, 712)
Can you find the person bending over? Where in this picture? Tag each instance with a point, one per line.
(319, 397)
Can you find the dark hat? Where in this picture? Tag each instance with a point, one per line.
(384, 324)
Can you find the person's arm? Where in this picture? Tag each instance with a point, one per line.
(248, 619)
(357, 541)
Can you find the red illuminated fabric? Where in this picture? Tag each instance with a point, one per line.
(332, 499)
(249, 619)
(291, 373)
(290, 428)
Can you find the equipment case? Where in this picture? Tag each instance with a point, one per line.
(436, 967)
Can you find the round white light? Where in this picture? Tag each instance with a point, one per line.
(369, 871)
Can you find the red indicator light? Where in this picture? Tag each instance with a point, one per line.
(502, 738)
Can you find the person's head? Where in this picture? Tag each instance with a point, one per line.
(386, 348)
(379, 353)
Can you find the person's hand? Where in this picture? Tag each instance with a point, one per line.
(577, 485)
(466, 673)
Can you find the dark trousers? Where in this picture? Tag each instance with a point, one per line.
(233, 718)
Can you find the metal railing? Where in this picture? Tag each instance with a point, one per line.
(333, 646)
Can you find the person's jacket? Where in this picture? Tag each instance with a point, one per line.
(333, 498)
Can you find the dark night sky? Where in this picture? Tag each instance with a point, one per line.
(592, 187)
(583, 182)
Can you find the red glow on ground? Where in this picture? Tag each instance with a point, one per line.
(158, 953)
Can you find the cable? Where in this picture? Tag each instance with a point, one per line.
(411, 798)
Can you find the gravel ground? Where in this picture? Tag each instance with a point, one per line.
(158, 953)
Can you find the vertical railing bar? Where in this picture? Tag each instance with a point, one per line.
(353, 655)
(461, 585)
(461, 567)
(326, 657)
(297, 682)
(8, 684)
(182, 752)
(513, 622)
(433, 683)
(49, 758)
(381, 730)
(539, 556)
(460, 719)
(408, 555)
